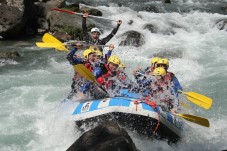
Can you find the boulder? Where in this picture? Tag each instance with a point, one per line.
(152, 28)
(166, 1)
(221, 24)
(91, 11)
(62, 36)
(132, 38)
(106, 137)
(9, 55)
(17, 18)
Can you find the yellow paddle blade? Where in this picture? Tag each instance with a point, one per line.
(51, 45)
(83, 71)
(48, 38)
(199, 99)
(47, 45)
(195, 119)
(185, 105)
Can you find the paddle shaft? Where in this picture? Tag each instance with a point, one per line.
(75, 13)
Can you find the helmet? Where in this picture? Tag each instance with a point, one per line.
(163, 61)
(95, 30)
(98, 53)
(159, 71)
(154, 60)
(114, 59)
(122, 65)
(87, 52)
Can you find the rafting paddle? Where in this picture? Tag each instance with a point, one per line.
(195, 119)
(52, 41)
(198, 99)
(83, 71)
(75, 13)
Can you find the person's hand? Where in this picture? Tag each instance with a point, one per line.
(85, 14)
(111, 47)
(119, 22)
(173, 111)
(78, 45)
(136, 70)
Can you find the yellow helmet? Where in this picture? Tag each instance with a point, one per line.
(98, 53)
(87, 52)
(159, 71)
(122, 65)
(163, 61)
(154, 60)
(114, 59)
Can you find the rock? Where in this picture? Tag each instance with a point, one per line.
(18, 18)
(221, 24)
(62, 36)
(74, 7)
(56, 3)
(132, 38)
(130, 22)
(58, 19)
(10, 21)
(9, 55)
(225, 9)
(150, 8)
(151, 28)
(91, 11)
(106, 137)
(166, 1)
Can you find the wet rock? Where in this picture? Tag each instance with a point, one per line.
(91, 11)
(151, 28)
(132, 38)
(75, 7)
(221, 24)
(62, 36)
(225, 9)
(106, 137)
(10, 21)
(56, 3)
(9, 55)
(130, 22)
(166, 1)
(150, 8)
(18, 18)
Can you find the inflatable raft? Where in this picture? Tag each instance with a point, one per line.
(132, 114)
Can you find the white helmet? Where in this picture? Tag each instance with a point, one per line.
(95, 30)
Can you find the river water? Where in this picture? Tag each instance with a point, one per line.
(33, 86)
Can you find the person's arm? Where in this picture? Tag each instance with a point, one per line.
(176, 84)
(85, 87)
(114, 31)
(70, 57)
(84, 27)
(111, 47)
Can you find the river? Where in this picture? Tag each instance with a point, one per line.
(33, 86)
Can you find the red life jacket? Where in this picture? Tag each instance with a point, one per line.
(104, 78)
(88, 65)
(121, 76)
(169, 77)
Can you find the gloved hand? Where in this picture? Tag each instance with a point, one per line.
(85, 87)
(101, 80)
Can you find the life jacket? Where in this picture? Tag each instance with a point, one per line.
(121, 76)
(88, 65)
(169, 77)
(103, 79)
